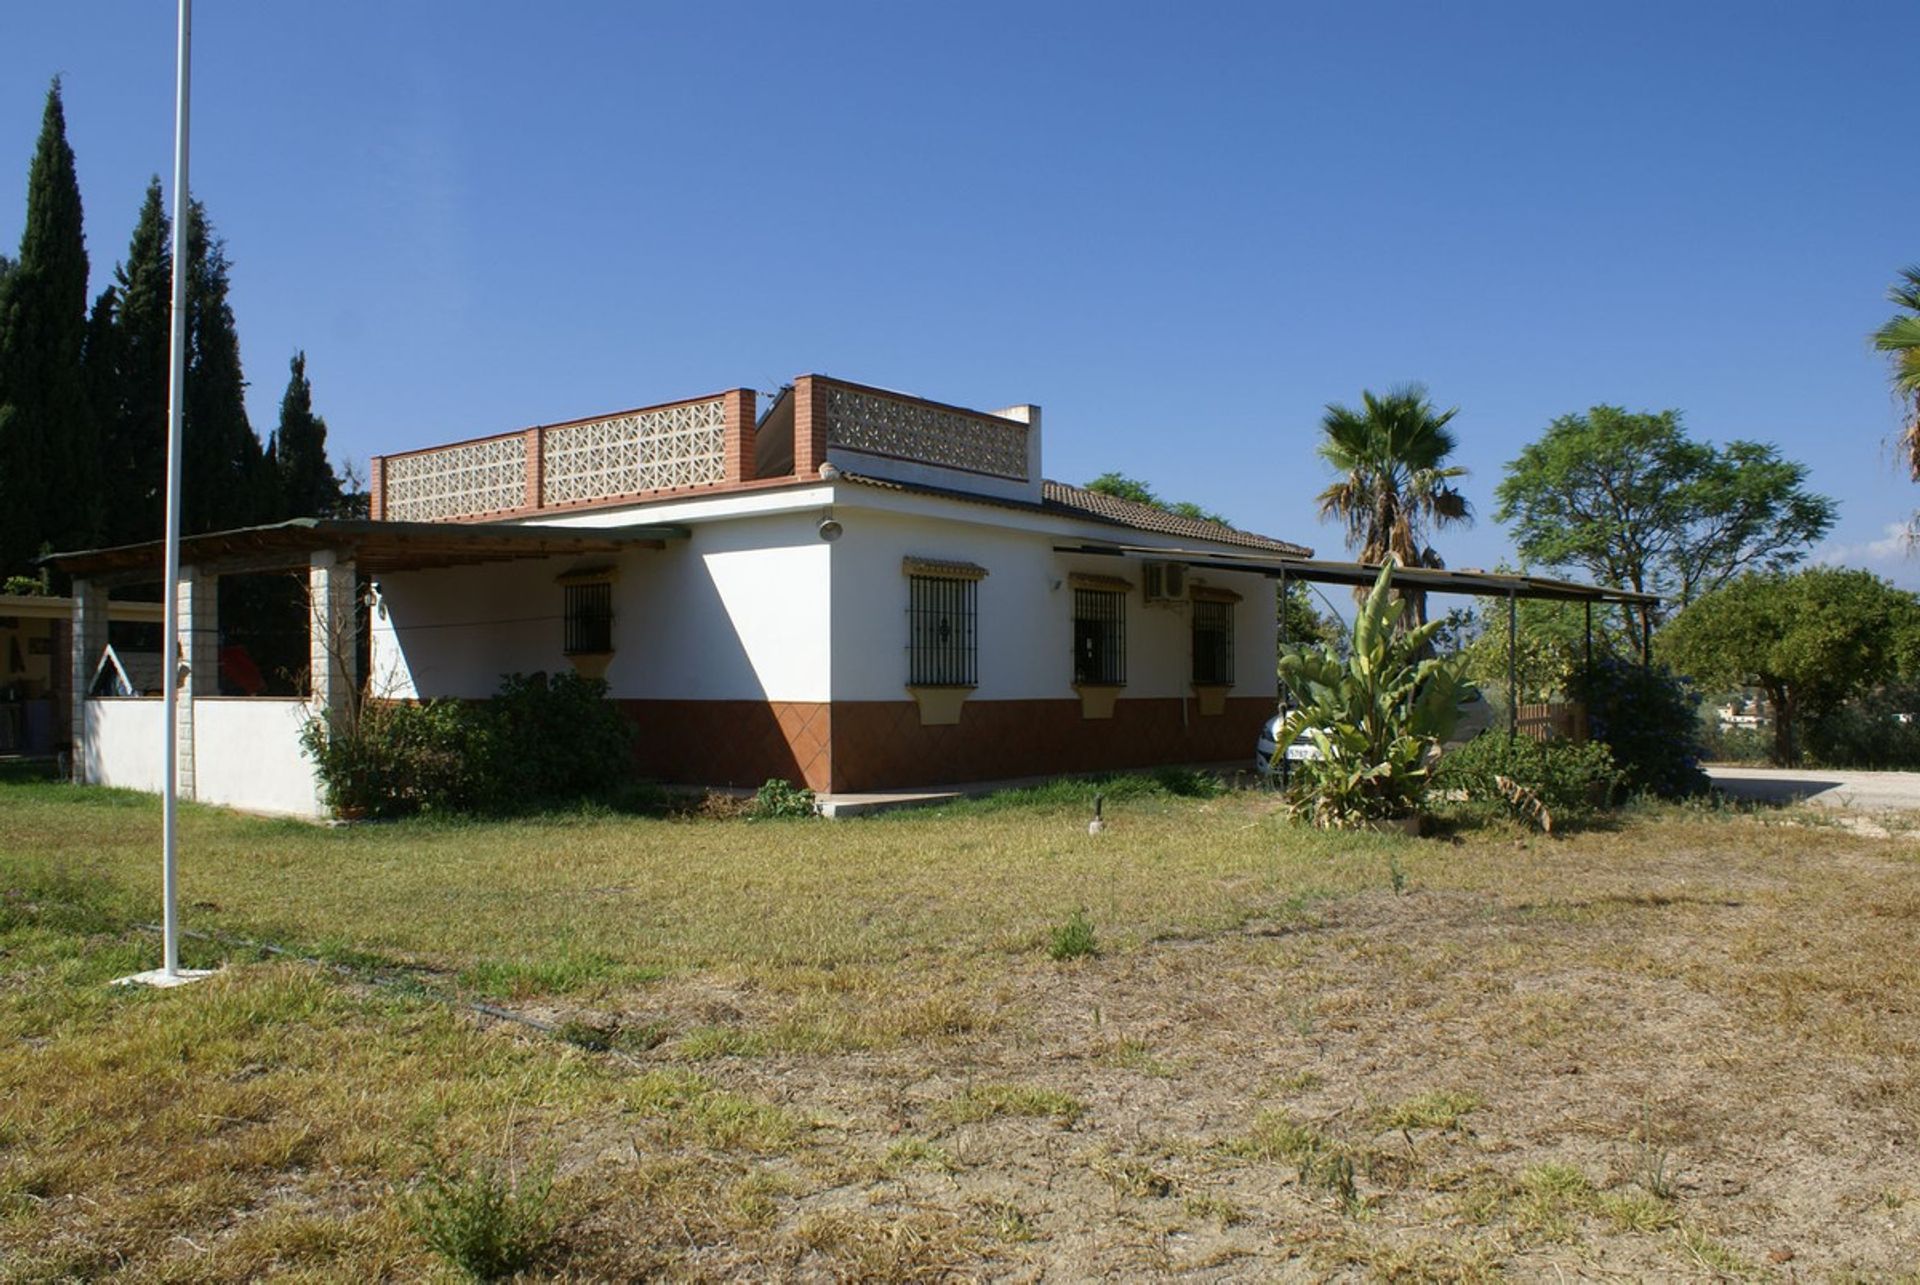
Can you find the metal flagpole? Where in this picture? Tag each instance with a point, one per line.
(170, 973)
(176, 389)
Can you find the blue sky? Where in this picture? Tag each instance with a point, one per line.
(1181, 232)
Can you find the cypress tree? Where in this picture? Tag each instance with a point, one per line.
(48, 456)
(225, 471)
(127, 375)
(307, 486)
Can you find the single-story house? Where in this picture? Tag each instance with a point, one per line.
(854, 590)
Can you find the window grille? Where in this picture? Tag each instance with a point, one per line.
(589, 617)
(943, 643)
(1099, 637)
(1212, 643)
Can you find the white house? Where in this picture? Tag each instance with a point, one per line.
(856, 590)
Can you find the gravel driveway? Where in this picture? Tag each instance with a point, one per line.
(1863, 791)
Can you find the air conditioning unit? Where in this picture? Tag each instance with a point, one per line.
(1165, 581)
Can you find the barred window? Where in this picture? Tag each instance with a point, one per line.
(943, 642)
(1099, 637)
(589, 618)
(1212, 643)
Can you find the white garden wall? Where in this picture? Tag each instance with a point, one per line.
(246, 754)
(123, 746)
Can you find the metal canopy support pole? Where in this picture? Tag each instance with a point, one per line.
(1646, 637)
(1513, 666)
(1586, 662)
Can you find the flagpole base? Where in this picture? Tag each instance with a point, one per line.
(161, 979)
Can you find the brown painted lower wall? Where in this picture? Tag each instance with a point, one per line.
(740, 743)
(876, 745)
(881, 744)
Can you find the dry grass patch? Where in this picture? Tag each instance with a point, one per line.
(1683, 1047)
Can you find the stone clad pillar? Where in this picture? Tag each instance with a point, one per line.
(200, 657)
(89, 640)
(333, 639)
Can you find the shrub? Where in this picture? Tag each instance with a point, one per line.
(1568, 779)
(1647, 715)
(1377, 717)
(781, 799)
(542, 741)
(482, 1223)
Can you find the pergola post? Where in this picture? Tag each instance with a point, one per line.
(1513, 665)
(200, 661)
(89, 640)
(333, 641)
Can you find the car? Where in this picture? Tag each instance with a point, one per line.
(1475, 716)
(1263, 748)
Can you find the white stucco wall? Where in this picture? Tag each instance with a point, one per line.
(246, 754)
(737, 611)
(1025, 607)
(123, 744)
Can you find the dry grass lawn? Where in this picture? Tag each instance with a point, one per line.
(1688, 1046)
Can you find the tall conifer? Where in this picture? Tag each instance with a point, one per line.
(307, 486)
(48, 456)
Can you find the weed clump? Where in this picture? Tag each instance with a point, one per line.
(482, 1222)
(780, 800)
(1073, 939)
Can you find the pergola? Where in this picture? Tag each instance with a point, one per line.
(333, 552)
(1512, 586)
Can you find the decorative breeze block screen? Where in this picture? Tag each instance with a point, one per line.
(651, 450)
(458, 481)
(861, 421)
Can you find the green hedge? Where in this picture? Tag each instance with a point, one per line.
(540, 742)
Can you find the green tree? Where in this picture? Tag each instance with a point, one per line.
(1395, 484)
(224, 477)
(48, 457)
(1122, 487)
(1810, 640)
(1635, 503)
(1900, 340)
(128, 355)
(305, 483)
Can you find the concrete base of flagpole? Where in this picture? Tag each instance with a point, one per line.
(161, 978)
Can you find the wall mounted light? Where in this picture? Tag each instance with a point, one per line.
(829, 529)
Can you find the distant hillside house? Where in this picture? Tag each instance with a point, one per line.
(855, 590)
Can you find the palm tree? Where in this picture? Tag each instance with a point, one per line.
(1900, 340)
(1394, 483)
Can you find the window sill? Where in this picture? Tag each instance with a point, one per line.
(940, 703)
(1211, 698)
(1097, 699)
(590, 664)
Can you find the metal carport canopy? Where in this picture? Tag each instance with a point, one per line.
(1500, 584)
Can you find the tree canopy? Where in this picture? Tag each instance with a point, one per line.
(304, 481)
(1635, 503)
(48, 459)
(1395, 485)
(1900, 340)
(1122, 487)
(1810, 640)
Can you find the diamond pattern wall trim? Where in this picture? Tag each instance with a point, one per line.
(651, 450)
(457, 481)
(858, 420)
